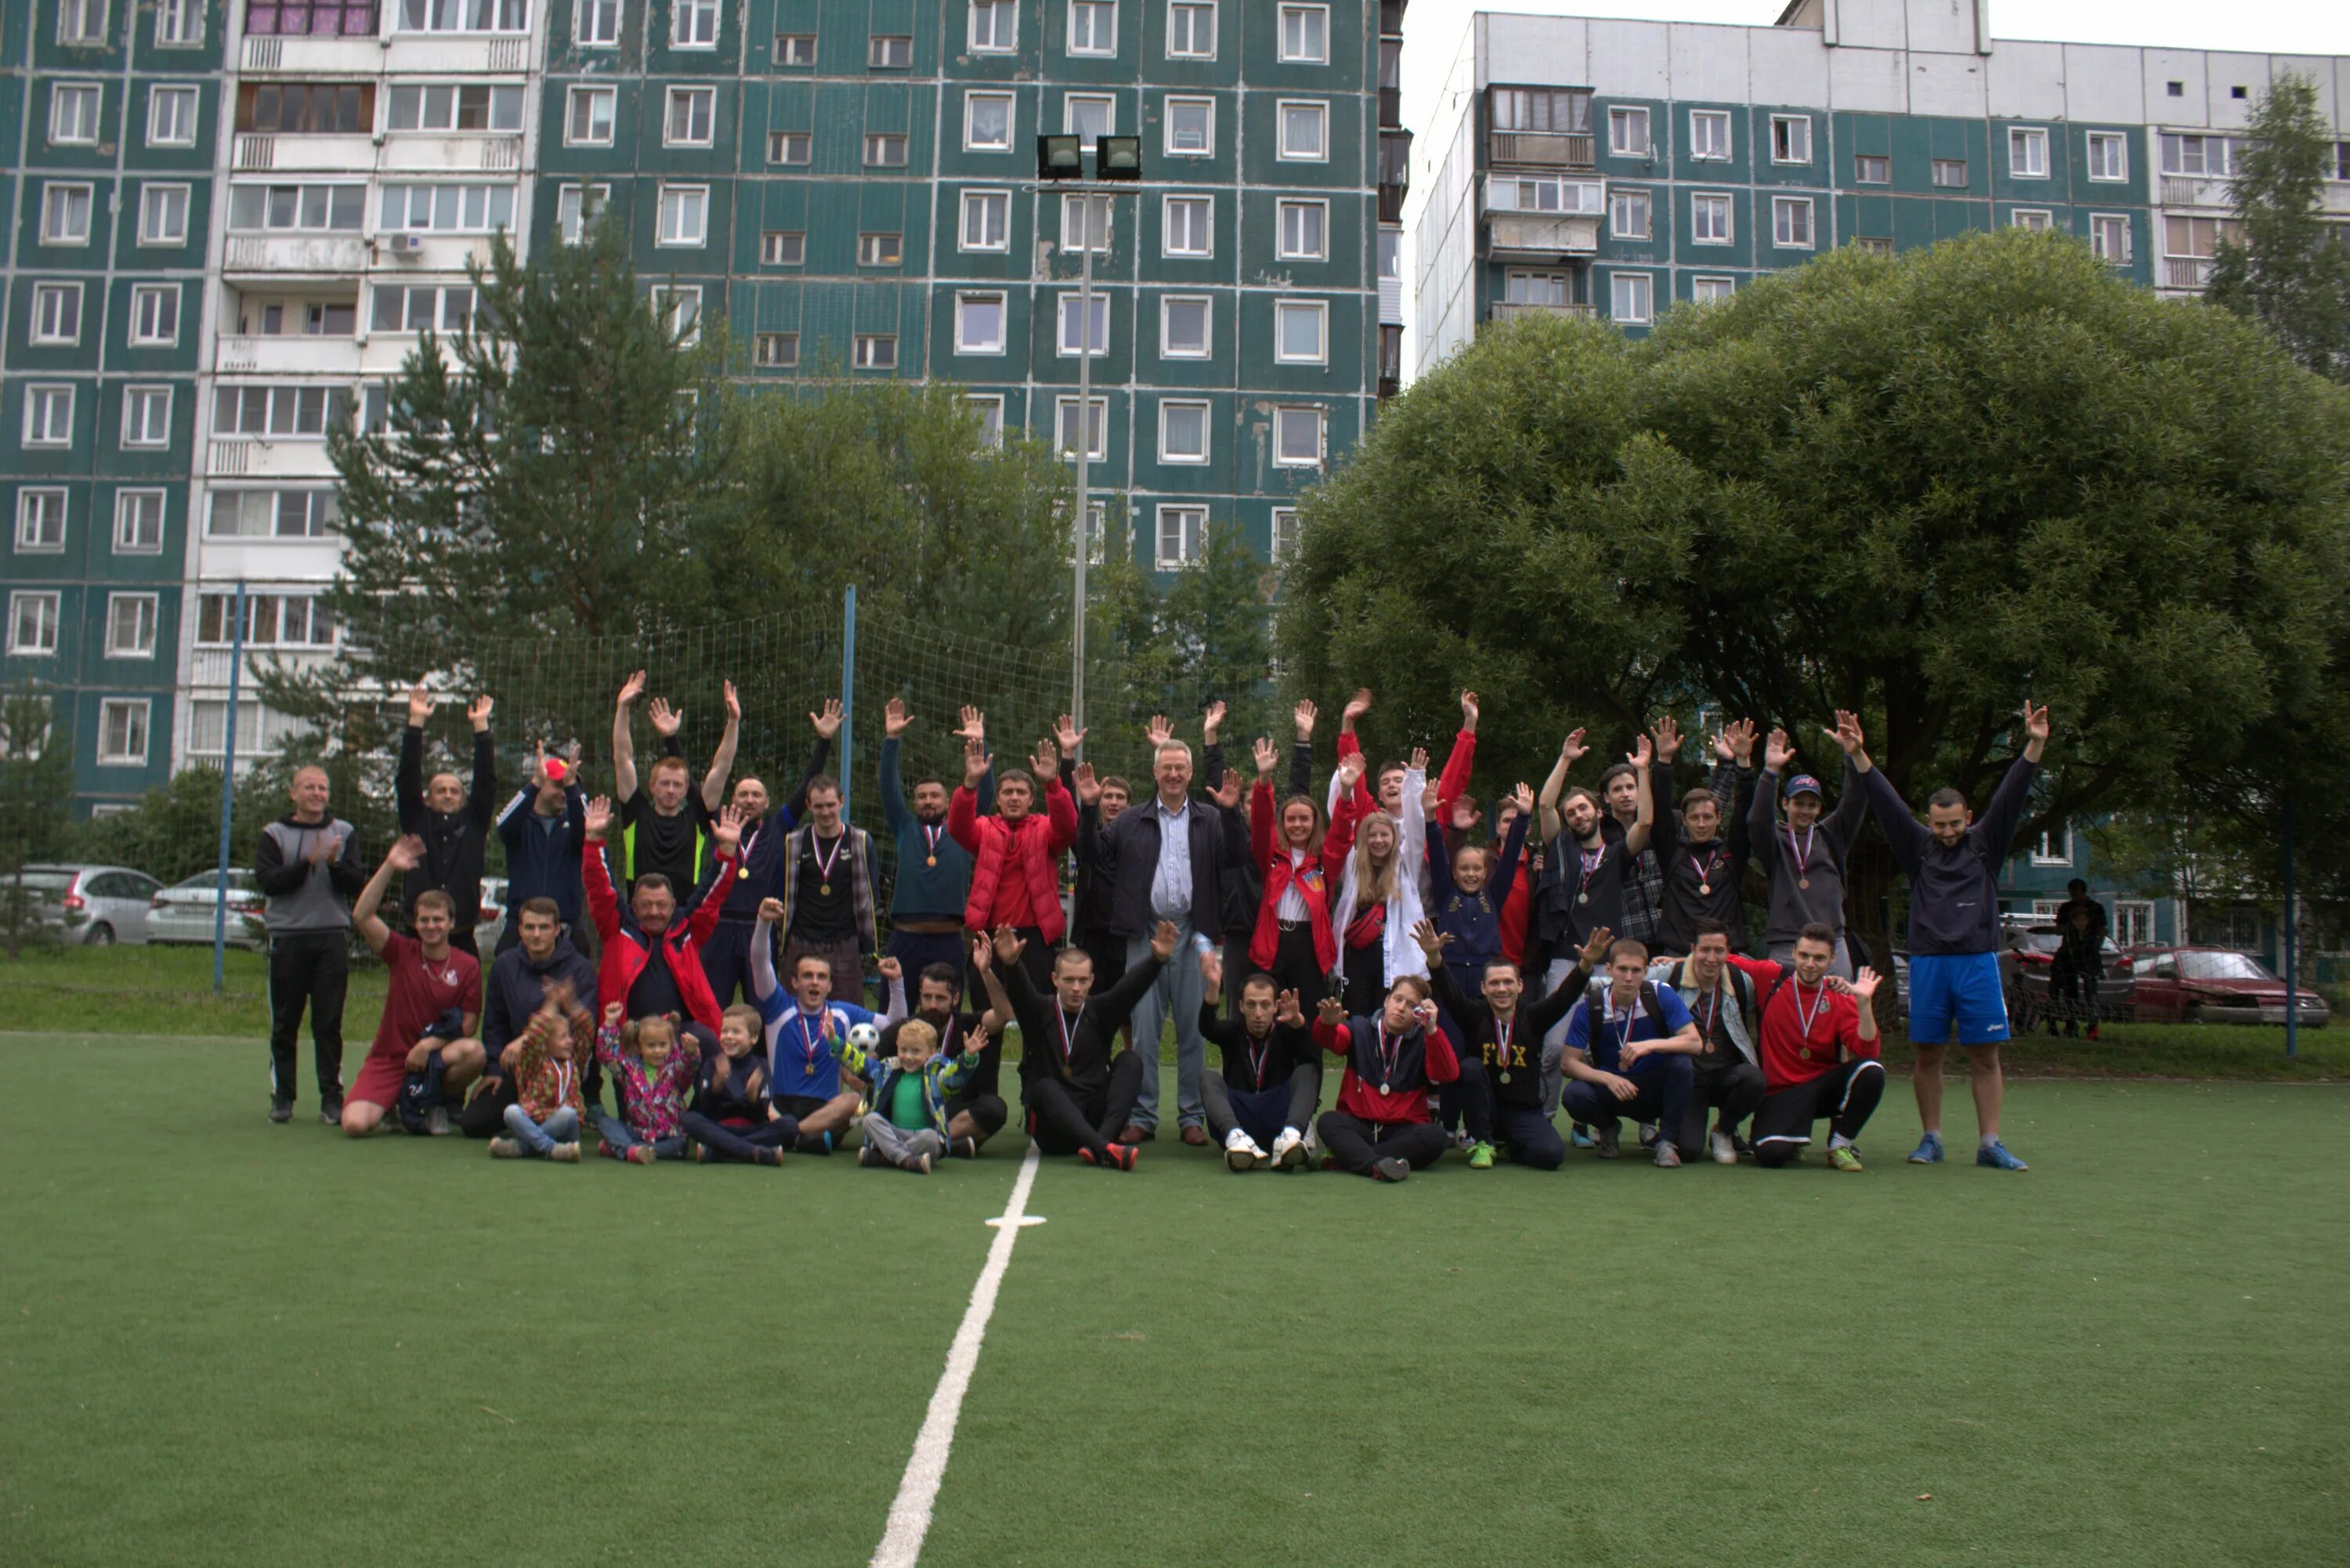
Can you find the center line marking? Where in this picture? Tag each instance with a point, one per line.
(909, 1512)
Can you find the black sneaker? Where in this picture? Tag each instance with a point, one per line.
(962, 1148)
(1609, 1142)
(331, 1112)
(281, 1109)
(869, 1156)
(1389, 1169)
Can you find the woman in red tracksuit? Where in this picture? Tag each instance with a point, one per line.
(1293, 941)
(1016, 879)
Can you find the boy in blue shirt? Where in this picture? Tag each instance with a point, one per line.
(1629, 1044)
(803, 1026)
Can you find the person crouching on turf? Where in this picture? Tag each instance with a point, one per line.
(544, 1121)
(1819, 1050)
(907, 1125)
(1726, 1074)
(1629, 1044)
(1380, 1128)
(733, 1116)
(1261, 1104)
(653, 1066)
(1500, 1087)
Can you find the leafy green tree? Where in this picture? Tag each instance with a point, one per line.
(173, 831)
(36, 781)
(2290, 269)
(1919, 486)
(1206, 636)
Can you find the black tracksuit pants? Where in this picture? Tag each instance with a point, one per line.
(1531, 1137)
(1264, 1113)
(312, 969)
(1063, 1121)
(1358, 1144)
(1735, 1090)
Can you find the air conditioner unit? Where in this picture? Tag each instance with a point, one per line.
(407, 245)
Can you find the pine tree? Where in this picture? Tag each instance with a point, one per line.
(2291, 270)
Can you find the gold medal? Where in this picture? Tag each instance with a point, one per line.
(1705, 889)
(744, 875)
(1505, 1077)
(1804, 883)
(931, 861)
(824, 889)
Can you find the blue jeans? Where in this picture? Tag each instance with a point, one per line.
(540, 1138)
(1663, 1079)
(622, 1138)
(1176, 988)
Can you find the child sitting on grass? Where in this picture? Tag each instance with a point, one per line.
(654, 1067)
(907, 1125)
(732, 1116)
(544, 1117)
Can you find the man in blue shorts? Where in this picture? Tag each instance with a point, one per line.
(1953, 864)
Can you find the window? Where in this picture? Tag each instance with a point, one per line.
(790, 146)
(783, 247)
(1085, 221)
(1093, 26)
(577, 207)
(2198, 237)
(1182, 432)
(1285, 532)
(448, 209)
(1628, 133)
(57, 313)
(776, 350)
(137, 522)
(1305, 35)
(2027, 153)
(1188, 227)
(1065, 427)
(1541, 289)
(306, 18)
(1791, 138)
(987, 121)
(693, 24)
(885, 152)
(1304, 230)
(1304, 131)
(1951, 171)
(131, 625)
(179, 23)
(1391, 254)
(1704, 289)
(888, 52)
(2109, 237)
(64, 215)
(989, 407)
(1183, 325)
(272, 514)
(2055, 847)
(2213, 156)
(1627, 215)
(1191, 29)
(2032, 218)
(1874, 245)
(1709, 219)
(684, 215)
(1297, 438)
(306, 109)
(1710, 134)
(423, 307)
(48, 414)
(2108, 155)
(1791, 222)
(172, 117)
(994, 26)
(1537, 195)
(1087, 118)
(122, 730)
(1097, 339)
(1181, 531)
(1191, 127)
(677, 309)
(1871, 169)
(280, 410)
(465, 15)
(1301, 331)
(81, 23)
(147, 416)
(73, 114)
(1546, 110)
(880, 250)
(588, 116)
(795, 51)
(987, 220)
(979, 324)
(33, 622)
(41, 521)
(876, 351)
(1629, 296)
(316, 209)
(163, 216)
(691, 111)
(448, 106)
(297, 318)
(596, 23)
(271, 620)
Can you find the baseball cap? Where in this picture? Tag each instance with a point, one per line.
(1802, 784)
(557, 771)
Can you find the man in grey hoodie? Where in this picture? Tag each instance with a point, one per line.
(308, 866)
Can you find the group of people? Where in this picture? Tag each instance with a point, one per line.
(1468, 982)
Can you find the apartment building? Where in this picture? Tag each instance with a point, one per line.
(1586, 166)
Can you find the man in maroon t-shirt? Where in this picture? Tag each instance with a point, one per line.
(424, 1047)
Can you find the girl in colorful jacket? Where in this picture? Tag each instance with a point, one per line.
(655, 1064)
(544, 1120)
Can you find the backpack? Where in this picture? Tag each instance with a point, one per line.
(1742, 987)
(1595, 999)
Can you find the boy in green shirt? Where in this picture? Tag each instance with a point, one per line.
(908, 1084)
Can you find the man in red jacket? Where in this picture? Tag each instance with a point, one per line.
(1819, 1052)
(649, 953)
(1016, 878)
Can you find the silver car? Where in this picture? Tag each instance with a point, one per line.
(94, 905)
(183, 911)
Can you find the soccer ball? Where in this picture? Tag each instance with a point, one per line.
(865, 1037)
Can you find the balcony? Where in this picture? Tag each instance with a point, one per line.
(452, 53)
(2196, 190)
(2186, 272)
(1511, 310)
(1541, 148)
(1391, 17)
(1391, 202)
(1390, 109)
(1541, 235)
(257, 151)
(295, 256)
(250, 457)
(444, 153)
(287, 354)
(313, 56)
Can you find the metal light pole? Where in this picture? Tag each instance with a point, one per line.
(228, 795)
(1081, 528)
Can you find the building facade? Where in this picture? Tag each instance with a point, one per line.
(1612, 168)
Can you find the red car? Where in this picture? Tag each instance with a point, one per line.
(2214, 985)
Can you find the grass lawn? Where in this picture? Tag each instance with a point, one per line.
(224, 1341)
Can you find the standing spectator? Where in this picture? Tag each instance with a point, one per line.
(308, 865)
(665, 827)
(760, 868)
(452, 824)
(827, 892)
(926, 903)
(543, 844)
(1016, 854)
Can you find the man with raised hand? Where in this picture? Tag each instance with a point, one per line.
(1819, 1052)
(1628, 1045)
(926, 903)
(1016, 879)
(1079, 1098)
(451, 824)
(1501, 1051)
(1805, 855)
(1953, 864)
(424, 1046)
(665, 826)
(1582, 888)
(759, 868)
(307, 869)
(1700, 870)
(544, 836)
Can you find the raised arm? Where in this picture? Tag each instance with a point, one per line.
(894, 720)
(596, 875)
(1763, 808)
(1907, 836)
(1569, 750)
(2007, 806)
(1301, 751)
(483, 803)
(402, 855)
(408, 778)
(1644, 819)
(763, 983)
(722, 761)
(624, 741)
(1460, 761)
(706, 904)
(1513, 847)
(825, 721)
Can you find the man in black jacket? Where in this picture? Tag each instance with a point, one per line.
(1074, 1091)
(453, 823)
(511, 989)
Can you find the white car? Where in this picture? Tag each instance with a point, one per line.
(93, 905)
(182, 913)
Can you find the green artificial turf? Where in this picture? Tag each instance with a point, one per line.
(224, 1341)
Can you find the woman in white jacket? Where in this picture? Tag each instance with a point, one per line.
(1379, 898)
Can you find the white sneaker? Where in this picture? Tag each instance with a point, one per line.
(1288, 1149)
(1239, 1151)
(1724, 1151)
(436, 1122)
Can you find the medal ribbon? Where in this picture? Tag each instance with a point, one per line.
(811, 1041)
(1068, 1034)
(930, 837)
(1819, 1001)
(1388, 1064)
(1504, 1028)
(1592, 860)
(1803, 853)
(824, 862)
(1713, 857)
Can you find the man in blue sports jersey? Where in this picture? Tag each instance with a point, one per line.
(804, 1025)
(1953, 864)
(1630, 1045)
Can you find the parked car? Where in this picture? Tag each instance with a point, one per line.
(182, 913)
(94, 905)
(2035, 946)
(2214, 985)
